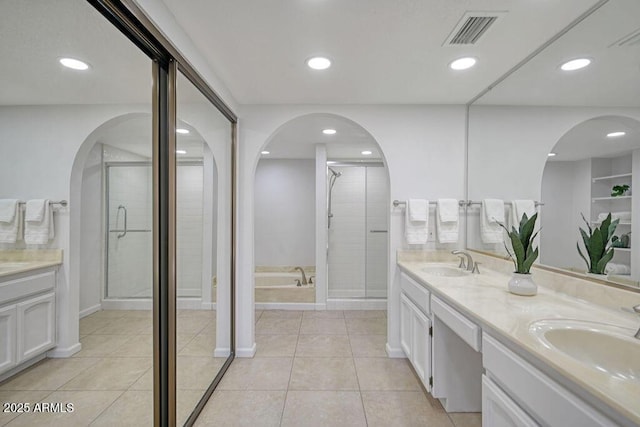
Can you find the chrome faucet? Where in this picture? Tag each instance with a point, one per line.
(470, 265)
(304, 277)
(637, 310)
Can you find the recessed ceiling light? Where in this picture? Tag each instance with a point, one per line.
(551, 154)
(616, 134)
(575, 64)
(367, 152)
(181, 152)
(319, 63)
(329, 131)
(74, 64)
(264, 152)
(463, 63)
(182, 131)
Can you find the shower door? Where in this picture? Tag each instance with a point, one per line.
(129, 223)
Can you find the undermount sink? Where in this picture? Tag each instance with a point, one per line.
(444, 270)
(606, 348)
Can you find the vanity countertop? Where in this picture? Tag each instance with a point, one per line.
(484, 299)
(21, 261)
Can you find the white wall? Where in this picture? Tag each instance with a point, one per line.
(285, 212)
(189, 234)
(423, 149)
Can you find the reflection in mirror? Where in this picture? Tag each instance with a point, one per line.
(540, 110)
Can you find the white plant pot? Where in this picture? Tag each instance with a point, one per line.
(522, 284)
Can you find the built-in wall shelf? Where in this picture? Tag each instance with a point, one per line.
(600, 199)
(622, 249)
(610, 177)
(600, 222)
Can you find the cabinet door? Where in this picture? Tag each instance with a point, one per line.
(421, 347)
(498, 410)
(36, 326)
(406, 322)
(7, 338)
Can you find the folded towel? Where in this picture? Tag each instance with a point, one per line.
(8, 210)
(447, 214)
(418, 209)
(35, 210)
(10, 230)
(519, 208)
(620, 269)
(491, 215)
(39, 232)
(416, 231)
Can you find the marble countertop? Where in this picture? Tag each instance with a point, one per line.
(21, 261)
(484, 298)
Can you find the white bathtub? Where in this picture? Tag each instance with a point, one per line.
(277, 279)
(282, 286)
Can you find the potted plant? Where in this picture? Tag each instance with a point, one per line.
(597, 244)
(619, 190)
(523, 256)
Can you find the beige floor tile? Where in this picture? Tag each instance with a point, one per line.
(323, 346)
(132, 409)
(145, 382)
(200, 345)
(243, 408)
(89, 324)
(136, 346)
(323, 327)
(471, 419)
(385, 374)
(402, 408)
(323, 409)
(323, 374)
(191, 325)
(102, 345)
(276, 345)
(183, 339)
(50, 374)
(87, 405)
(368, 345)
(258, 314)
(186, 401)
(114, 373)
(281, 314)
(201, 314)
(106, 314)
(19, 397)
(364, 326)
(277, 326)
(137, 314)
(196, 373)
(265, 373)
(126, 326)
(365, 314)
(323, 314)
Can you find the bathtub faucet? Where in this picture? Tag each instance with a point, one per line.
(304, 277)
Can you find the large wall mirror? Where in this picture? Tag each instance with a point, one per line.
(567, 135)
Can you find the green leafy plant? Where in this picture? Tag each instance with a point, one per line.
(523, 254)
(619, 190)
(597, 244)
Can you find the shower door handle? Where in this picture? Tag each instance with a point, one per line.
(124, 232)
(377, 231)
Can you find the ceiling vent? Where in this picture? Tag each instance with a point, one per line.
(631, 39)
(471, 27)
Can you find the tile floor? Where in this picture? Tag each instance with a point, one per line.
(110, 380)
(324, 369)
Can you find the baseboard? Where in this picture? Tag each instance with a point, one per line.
(320, 307)
(246, 352)
(285, 306)
(90, 310)
(147, 304)
(64, 352)
(356, 304)
(395, 353)
(208, 306)
(221, 352)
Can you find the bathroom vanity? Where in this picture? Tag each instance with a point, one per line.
(27, 307)
(551, 359)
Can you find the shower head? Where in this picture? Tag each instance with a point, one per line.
(336, 174)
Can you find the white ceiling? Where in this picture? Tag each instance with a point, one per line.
(589, 139)
(383, 51)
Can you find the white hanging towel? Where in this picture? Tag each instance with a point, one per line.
(519, 208)
(9, 220)
(447, 220)
(491, 215)
(38, 232)
(416, 221)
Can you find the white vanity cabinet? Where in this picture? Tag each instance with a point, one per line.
(415, 327)
(27, 317)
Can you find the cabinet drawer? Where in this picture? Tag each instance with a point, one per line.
(463, 327)
(547, 401)
(25, 286)
(416, 292)
(498, 410)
